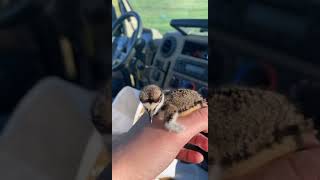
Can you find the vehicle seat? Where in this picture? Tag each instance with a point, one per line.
(47, 134)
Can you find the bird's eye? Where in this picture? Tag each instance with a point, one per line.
(148, 100)
(145, 101)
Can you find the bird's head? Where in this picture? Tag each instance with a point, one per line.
(152, 98)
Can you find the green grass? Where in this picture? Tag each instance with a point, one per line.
(116, 7)
(157, 14)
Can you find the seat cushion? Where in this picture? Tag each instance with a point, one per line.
(48, 132)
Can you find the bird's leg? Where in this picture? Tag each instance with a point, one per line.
(172, 125)
(171, 116)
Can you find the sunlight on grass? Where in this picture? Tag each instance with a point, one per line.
(116, 7)
(157, 14)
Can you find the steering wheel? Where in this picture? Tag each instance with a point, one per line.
(123, 47)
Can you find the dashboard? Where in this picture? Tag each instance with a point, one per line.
(182, 62)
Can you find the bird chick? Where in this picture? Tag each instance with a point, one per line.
(168, 105)
(250, 127)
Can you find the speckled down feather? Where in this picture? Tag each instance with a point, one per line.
(101, 110)
(244, 121)
(183, 99)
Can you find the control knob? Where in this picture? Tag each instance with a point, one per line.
(187, 84)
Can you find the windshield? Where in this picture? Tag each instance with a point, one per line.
(157, 14)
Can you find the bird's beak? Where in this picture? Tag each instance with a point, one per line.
(149, 113)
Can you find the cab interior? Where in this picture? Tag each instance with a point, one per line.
(170, 47)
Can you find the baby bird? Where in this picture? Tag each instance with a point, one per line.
(168, 105)
(250, 127)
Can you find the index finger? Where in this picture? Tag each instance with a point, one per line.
(200, 140)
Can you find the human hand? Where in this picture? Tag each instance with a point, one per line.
(302, 165)
(191, 156)
(152, 148)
